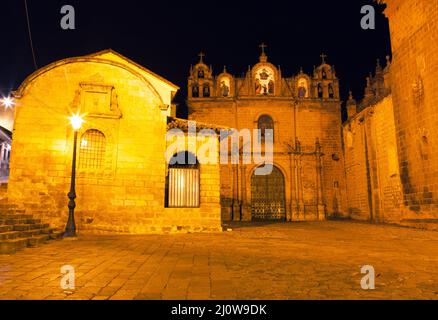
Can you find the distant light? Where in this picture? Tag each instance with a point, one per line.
(76, 121)
(7, 102)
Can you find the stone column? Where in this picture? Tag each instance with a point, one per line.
(236, 200)
(292, 182)
(321, 212)
(246, 210)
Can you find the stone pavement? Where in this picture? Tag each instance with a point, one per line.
(277, 261)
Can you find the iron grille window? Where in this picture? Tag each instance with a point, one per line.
(92, 150)
(182, 185)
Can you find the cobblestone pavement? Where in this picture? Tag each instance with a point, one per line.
(277, 261)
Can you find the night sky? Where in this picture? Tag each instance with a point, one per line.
(166, 36)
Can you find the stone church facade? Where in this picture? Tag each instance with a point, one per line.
(380, 165)
(122, 176)
(304, 112)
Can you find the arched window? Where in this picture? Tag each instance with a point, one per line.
(320, 90)
(225, 86)
(265, 123)
(195, 91)
(303, 88)
(92, 150)
(201, 73)
(206, 91)
(264, 81)
(331, 91)
(182, 181)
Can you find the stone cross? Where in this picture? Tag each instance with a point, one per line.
(201, 56)
(263, 46)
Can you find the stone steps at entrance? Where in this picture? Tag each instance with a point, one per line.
(19, 230)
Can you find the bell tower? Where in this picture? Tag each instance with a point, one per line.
(200, 83)
(326, 82)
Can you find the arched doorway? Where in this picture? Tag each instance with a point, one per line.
(268, 197)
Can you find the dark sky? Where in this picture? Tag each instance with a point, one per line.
(166, 36)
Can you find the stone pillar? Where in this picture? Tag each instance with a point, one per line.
(299, 182)
(321, 208)
(236, 201)
(246, 209)
(301, 209)
(292, 182)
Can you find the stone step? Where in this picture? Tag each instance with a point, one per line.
(36, 241)
(49, 230)
(19, 230)
(27, 227)
(6, 205)
(55, 235)
(15, 216)
(9, 235)
(5, 228)
(13, 241)
(21, 221)
(39, 226)
(13, 245)
(11, 212)
(30, 233)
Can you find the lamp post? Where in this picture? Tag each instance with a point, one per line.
(70, 229)
(7, 102)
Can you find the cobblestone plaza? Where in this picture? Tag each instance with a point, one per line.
(275, 261)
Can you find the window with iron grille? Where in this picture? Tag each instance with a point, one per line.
(182, 182)
(92, 150)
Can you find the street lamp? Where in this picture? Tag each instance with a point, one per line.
(7, 102)
(76, 122)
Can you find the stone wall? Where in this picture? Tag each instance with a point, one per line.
(126, 194)
(371, 164)
(308, 120)
(414, 36)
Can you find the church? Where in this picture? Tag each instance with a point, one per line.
(125, 179)
(378, 166)
(124, 182)
(303, 113)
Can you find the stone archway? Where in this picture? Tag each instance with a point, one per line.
(268, 196)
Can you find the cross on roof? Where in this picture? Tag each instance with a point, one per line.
(201, 56)
(263, 46)
(323, 56)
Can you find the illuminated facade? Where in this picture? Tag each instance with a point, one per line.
(122, 174)
(414, 29)
(303, 111)
(391, 164)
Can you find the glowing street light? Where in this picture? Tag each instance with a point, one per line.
(76, 122)
(7, 102)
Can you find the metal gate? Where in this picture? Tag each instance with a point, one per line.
(268, 196)
(183, 188)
